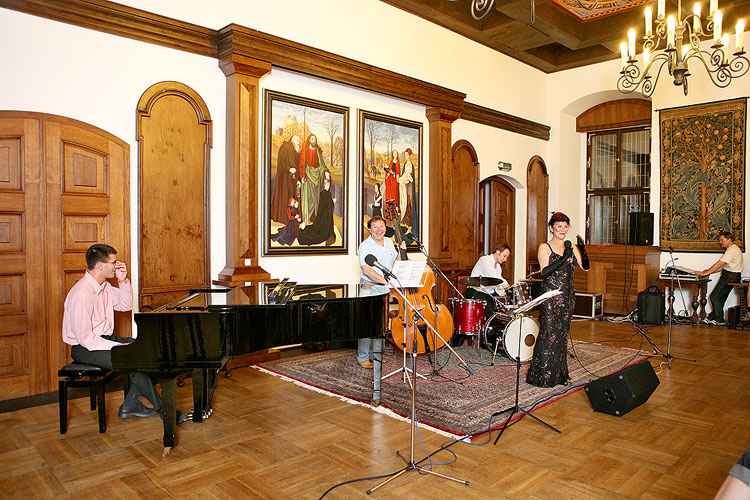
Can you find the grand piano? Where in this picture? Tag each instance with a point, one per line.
(200, 332)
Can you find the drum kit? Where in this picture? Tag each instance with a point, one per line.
(508, 327)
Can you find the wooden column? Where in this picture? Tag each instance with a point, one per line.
(441, 121)
(243, 75)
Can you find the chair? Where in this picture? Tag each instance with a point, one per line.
(91, 376)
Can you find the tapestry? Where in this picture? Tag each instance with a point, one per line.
(702, 175)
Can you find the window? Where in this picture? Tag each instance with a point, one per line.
(618, 177)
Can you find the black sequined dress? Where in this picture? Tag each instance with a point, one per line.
(549, 366)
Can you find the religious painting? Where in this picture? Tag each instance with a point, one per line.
(390, 174)
(703, 175)
(306, 149)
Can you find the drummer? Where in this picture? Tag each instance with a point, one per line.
(488, 266)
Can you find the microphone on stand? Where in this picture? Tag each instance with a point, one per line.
(671, 249)
(372, 261)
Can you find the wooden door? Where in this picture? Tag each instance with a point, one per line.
(537, 189)
(174, 136)
(499, 203)
(463, 206)
(76, 192)
(23, 366)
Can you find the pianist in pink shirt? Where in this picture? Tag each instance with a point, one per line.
(89, 320)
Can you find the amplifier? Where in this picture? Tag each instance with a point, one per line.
(588, 305)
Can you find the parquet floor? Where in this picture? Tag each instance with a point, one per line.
(271, 439)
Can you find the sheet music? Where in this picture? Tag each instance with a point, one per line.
(532, 304)
(409, 273)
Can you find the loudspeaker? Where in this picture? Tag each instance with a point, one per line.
(620, 392)
(641, 228)
(651, 306)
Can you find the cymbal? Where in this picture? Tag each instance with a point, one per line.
(480, 281)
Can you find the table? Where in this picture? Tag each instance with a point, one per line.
(742, 302)
(698, 286)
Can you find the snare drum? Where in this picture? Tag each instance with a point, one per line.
(518, 335)
(468, 315)
(519, 294)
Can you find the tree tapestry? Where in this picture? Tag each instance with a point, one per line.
(703, 175)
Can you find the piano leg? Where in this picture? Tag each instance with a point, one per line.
(199, 394)
(169, 414)
(377, 369)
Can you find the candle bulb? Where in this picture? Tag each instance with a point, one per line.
(624, 54)
(739, 35)
(660, 9)
(725, 48)
(631, 44)
(714, 6)
(717, 27)
(697, 18)
(649, 22)
(670, 32)
(646, 60)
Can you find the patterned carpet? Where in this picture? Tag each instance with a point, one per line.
(452, 400)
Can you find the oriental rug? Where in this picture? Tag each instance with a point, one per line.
(452, 401)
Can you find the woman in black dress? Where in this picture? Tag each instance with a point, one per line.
(557, 257)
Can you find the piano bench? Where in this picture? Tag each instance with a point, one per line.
(82, 375)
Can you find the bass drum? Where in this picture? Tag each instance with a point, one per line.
(517, 335)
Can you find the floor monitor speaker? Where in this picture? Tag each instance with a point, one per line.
(641, 228)
(620, 392)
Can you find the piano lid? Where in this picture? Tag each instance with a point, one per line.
(269, 294)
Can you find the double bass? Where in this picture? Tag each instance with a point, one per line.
(423, 300)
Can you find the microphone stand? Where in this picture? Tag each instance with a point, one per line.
(411, 465)
(439, 274)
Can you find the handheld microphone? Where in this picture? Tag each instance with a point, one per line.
(372, 261)
(568, 244)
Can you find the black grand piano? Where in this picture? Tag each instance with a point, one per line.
(201, 332)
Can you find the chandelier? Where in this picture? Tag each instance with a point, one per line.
(681, 39)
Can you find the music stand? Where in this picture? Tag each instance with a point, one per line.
(516, 407)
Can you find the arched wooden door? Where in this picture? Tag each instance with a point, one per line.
(497, 216)
(64, 185)
(537, 188)
(464, 206)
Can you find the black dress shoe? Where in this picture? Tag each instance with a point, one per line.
(181, 417)
(137, 410)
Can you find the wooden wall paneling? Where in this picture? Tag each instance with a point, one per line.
(174, 133)
(242, 191)
(441, 121)
(619, 272)
(537, 193)
(87, 201)
(23, 348)
(615, 114)
(462, 205)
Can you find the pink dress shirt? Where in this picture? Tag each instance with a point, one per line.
(90, 312)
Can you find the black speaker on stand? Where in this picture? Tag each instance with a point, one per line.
(640, 228)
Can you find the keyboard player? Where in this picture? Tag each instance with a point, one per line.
(730, 265)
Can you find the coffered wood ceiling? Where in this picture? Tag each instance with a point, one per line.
(558, 39)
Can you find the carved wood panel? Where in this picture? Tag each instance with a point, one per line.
(537, 192)
(81, 174)
(174, 135)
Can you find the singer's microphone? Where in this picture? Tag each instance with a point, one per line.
(372, 261)
(671, 249)
(568, 244)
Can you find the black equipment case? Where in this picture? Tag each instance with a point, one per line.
(651, 306)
